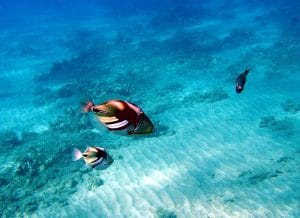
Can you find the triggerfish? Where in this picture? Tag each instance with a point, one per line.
(241, 81)
(121, 115)
(94, 157)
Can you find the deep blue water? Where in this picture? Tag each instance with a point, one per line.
(214, 153)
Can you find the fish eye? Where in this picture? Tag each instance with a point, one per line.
(99, 111)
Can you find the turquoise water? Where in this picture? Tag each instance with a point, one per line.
(215, 153)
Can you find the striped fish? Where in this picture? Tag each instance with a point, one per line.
(93, 156)
(121, 115)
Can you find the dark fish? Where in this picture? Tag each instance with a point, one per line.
(121, 115)
(93, 156)
(241, 81)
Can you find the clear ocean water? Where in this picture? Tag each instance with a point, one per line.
(215, 153)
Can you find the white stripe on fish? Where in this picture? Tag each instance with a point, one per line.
(97, 162)
(108, 119)
(117, 125)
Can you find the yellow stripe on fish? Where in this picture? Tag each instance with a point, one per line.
(90, 160)
(108, 119)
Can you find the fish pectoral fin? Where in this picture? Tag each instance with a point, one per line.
(130, 132)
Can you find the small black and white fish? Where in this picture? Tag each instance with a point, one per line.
(94, 157)
(241, 81)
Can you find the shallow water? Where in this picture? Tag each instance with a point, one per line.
(215, 153)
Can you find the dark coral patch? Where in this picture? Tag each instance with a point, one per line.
(253, 177)
(211, 96)
(88, 63)
(291, 106)
(3, 182)
(284, 125)
(163, 213)
(9, 139)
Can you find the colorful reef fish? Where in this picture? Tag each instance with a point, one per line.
(241, 81)
(121, 115)
(93, 156)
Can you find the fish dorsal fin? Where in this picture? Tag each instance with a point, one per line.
(135, 108)
(117, 104)
(102, 149)
(247, 70)
(93, 149)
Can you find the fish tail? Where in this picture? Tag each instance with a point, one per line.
(247, 70)
(87, 106)
(77, 154)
